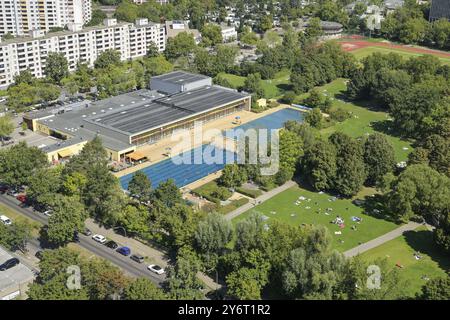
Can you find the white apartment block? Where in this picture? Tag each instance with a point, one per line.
(229, 33)
(18, 17)
(78, 46)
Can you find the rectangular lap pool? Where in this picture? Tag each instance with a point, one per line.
(185, 173)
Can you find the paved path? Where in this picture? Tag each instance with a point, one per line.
(266, 196)
(381, 239)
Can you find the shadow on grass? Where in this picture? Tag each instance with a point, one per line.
(387, 127)
(422, 241)
(284, 87)
(375, 206)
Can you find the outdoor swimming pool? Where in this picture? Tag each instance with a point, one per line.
(274, 120)
(187, 172)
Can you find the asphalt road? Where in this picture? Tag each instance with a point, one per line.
(125, 263)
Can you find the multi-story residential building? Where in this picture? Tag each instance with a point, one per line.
(78, 46)
(440, 9)
(18, 17)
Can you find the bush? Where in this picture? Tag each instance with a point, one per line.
(221, 193)
(252, 193)
(339, 114)
(289, 97)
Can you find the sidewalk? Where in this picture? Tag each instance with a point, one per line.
(381, 239)
(266, 196)
(150, 254)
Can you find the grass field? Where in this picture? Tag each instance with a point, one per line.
(363, 120)
(401, 250)
(273, 88)
(307, 212)
(364, 52)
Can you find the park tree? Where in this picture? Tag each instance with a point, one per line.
(265, 23)
(378, 157)
(253, 84)
(16, 236)
(24, 76)
(350, 169)
(140, 186)
(180, 222)
(314, 118)
(73, 184)
(67, 217)
(97, 18)
(180, 46)
(107, 58)
(413, 31)
(51, 283)
(142, 289)
(93, 153)
(135, 219)
(248, 37)
(438, 153)
(168, 193)
(19, 163)
(182, 282)
(212, 236)
(6, 127)
(56, 67)
(419, 190)
(290, 151)
(243, 284)
(440, 33)
(155, 66)
(103, 280)
(232, 176)
(251, 233)
(211, 35)
(315, 270)
(436, 289)
(319, 165)
(44, 185)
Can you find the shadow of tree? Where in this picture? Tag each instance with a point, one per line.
(422, 241)
(375, 206)
(284, 87)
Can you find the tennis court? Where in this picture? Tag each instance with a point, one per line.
(187, 172)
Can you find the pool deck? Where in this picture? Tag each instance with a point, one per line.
(156, 152)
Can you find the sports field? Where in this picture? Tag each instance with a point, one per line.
(433, 263)
(290, 207)
(362, 49)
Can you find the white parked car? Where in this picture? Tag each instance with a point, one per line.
(99, 238)
(48, 213)
(156, 269)
(5, 220)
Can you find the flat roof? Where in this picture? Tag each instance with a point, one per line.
(13, 277)
(168, 109)
(180, 77)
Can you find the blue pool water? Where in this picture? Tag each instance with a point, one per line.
(189, 171)
(275, 120)
(186, 173)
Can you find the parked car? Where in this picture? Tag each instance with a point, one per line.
(12, 192)
(156, 269)
(99, 238)
(111, 244)
(76, 237)
(86, 232)
(8, 264)
(124, 250)
(22, 198)
(137, 257)
(3, 188)
(48, 213)
(5, 220)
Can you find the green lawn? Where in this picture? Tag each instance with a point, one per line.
(367, 51)
(363, 120)
(273, 88)
(287, 211)
(401, 250)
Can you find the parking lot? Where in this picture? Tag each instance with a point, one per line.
(31, 138)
